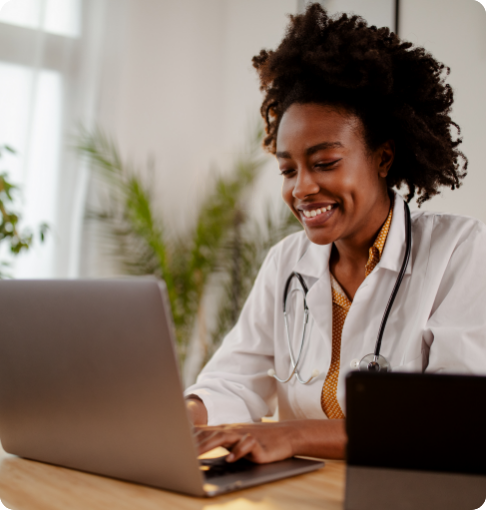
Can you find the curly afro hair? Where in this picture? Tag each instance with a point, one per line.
(398, 91)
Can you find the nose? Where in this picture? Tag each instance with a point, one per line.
(305, 184)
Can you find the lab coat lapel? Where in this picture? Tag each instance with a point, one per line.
(394, 249)
(314, 266)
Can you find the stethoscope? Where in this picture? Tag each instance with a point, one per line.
(373, 362)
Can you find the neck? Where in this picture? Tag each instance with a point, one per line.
(353, 251)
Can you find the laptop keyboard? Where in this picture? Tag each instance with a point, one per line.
(219, 467)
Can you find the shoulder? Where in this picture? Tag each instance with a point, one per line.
(441, 219)
(448, 223)
(451, 228)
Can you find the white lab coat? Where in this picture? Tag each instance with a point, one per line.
(437, 323)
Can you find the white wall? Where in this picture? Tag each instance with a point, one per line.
(186, 94)
(454, 31)
(376, 12)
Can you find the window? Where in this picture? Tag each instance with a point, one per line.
(61, 17)
(47, 66)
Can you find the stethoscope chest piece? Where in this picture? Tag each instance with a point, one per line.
(373, 363)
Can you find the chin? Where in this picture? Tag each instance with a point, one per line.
(317, 237)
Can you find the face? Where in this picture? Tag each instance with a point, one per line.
(332, 183)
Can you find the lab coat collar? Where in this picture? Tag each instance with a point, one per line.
(314, 262)
(394, 249)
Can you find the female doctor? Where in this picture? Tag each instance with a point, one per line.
(351, 112)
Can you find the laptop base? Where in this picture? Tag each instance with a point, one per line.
(369, 488)
(255, 474)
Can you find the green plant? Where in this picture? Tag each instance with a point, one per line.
(17, 240)
(224, 240)
(246, 248)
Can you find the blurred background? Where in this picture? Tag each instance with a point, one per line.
(134, 134)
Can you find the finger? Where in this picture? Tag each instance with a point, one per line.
(201, 430)
(203, 436)
(246, 446)
(202, 433)
(198, 432)
(217, 438)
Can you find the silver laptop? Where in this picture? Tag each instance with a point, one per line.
(89, 380)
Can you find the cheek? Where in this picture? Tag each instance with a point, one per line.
(287, 188)
(355, 180)
(358, 190)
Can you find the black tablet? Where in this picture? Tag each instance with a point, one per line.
(415, 438)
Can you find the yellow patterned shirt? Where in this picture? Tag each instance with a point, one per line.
(340, 308)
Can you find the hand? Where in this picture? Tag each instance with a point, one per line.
(258, 442)
(269, 442)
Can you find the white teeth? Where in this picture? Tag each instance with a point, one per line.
(316, 212)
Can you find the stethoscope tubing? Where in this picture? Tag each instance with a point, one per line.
(299, 277)
(398, 282)
(295, 362)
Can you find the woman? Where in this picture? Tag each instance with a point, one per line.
(351, 112)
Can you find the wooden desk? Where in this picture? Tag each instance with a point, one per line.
(29, 485)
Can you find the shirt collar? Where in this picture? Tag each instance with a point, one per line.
(339, 297)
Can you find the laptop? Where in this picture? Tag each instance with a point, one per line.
(415, 441)
(89, 380)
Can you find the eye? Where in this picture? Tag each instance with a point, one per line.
(325, 166)
(287, 172)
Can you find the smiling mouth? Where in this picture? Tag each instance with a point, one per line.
(316, 212)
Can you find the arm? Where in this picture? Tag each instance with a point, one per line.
(198, 413)
(269, 442)
(455, 334)
(234, 386)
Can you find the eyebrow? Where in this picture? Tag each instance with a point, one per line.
(311, 150)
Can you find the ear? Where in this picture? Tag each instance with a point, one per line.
(386, 155)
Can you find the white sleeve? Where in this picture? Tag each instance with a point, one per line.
(234, 385)
(456, 329)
